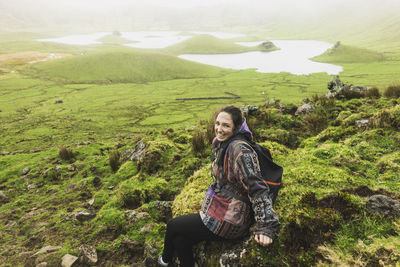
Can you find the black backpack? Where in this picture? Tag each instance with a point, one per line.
(270, 171)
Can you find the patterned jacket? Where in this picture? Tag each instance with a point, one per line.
(230, 217)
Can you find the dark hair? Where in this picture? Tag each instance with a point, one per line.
(236, 115)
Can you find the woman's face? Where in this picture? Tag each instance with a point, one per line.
(223, 126)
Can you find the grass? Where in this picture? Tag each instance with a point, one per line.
(207, 44)
(113, 97)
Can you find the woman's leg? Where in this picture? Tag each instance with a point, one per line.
(182, 233)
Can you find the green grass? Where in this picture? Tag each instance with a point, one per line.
(207, 44)
(120, 65)
(113, 97)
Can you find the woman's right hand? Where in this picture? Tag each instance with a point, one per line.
(263, 240)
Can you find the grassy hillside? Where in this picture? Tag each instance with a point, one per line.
(120, 65)
(348, 54)
(328, 162)
(207, 44)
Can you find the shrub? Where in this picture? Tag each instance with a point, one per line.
(373, 93)
(198, 141)
(315, 123)
(392, 91)
(114, 160)
(64, 153)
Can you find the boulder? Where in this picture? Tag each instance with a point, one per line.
(67, 260)
(87, 255)
(305, 109)
(383, 205)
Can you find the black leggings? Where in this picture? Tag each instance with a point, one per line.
(182, 233)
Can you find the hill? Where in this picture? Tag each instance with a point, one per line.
(340, 53)
(335, 159)
(207, 44)
(120, 65)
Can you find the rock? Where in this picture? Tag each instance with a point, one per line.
(362, 124)
(57, 168)
(134, 154)
(11, 224)
(47, 249)
(133, 217)
(386, 206)
(71, 168)
(5, 153)
(25, 171)
(31, 186)
(133, 248)
(305, 109)
(249, 110)
(146, 228)
(59, 102)
(67, 260)
(87, 255)
(81, 216)
(42, 264)
(91, 202)
(3, 198)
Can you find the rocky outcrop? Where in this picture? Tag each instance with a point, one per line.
(135, 154)
(307, 108)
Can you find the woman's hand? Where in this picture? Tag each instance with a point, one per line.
(263, 240)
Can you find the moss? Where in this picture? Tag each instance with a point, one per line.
(191, 196)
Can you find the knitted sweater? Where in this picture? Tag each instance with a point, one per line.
(230, 217)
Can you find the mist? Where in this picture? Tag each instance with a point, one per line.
(125, 15)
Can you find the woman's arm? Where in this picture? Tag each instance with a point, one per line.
(246, 167)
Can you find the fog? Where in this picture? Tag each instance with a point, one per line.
(182, 14)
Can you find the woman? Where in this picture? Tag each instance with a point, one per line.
(226, 208)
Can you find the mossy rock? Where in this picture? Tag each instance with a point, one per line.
(191, 196)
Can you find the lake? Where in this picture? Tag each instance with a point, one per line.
(293, 56)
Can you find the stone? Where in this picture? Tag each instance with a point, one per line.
(383, 205)
(25, 171)
(82, 216)
(146, 228)
(91, 202)
(47, 249)
(31, 186)
(3, 197)
(305, 109)
(134, 154)
(133, 217)
(249, 110)
(362, 124)
(57, 168)
(5, 153)
(67, 260)
(87, 255)
(59, 102)
(42, 264)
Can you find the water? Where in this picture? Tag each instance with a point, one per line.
(293, 56)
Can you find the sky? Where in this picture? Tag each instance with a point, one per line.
(138, 13)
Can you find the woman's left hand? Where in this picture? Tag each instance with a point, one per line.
(263, 240)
